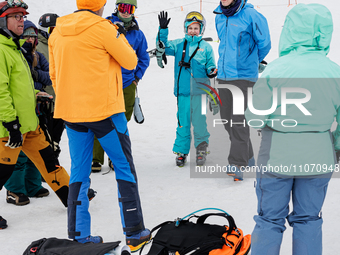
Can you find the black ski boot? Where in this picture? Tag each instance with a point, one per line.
(201, 153)
(181, 159)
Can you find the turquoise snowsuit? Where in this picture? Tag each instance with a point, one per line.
(187, 87)
(302, 153)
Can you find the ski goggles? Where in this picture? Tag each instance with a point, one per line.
(50, 29)
(129, 8)
(194, 16)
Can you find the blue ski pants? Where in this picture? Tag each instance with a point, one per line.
(273, 194)
(189, 111)
(113, 136)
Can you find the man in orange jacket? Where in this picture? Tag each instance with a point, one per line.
(86, 55)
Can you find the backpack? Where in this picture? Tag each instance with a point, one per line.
(55, 246)
(183, 236)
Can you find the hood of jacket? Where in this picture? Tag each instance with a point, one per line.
(77, 22)
(308, 27)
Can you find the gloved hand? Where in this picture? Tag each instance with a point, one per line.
(213, 107)
(262, 66)
(120, 28)
(163, 19)
(213, 73)
(35, 74)
(15, 137)
(160, 54)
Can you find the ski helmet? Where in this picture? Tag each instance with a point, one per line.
(48, 20)
(133, 2)
(192, 17)
(12, 6)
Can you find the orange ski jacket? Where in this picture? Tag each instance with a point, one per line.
(86, 55)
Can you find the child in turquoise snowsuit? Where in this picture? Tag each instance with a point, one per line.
(198, 64)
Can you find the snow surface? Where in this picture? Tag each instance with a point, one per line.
(166, 191)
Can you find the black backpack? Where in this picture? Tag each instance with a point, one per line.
(182, 237)
(55, 246)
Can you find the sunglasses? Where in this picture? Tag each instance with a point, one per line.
(129, 8)
(194, 16)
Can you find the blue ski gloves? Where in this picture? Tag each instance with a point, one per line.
(214, 106)
(15, 137)
(160, 54)
(163, 20)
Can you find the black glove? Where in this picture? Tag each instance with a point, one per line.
(213, 73)
(160, 54)
(35, 74)
(121, 29)
(15, 137)
(163, 19)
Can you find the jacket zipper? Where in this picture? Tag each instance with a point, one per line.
(226, 41)
(239, 45)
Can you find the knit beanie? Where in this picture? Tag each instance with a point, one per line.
(29, 32)
(93, 5)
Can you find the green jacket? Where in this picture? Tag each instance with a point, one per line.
(304, 44)
(17, 93)
(42, 46)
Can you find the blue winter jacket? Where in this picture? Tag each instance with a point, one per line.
(244, 42)
(138, 42)
(187, 80)
(42, 67)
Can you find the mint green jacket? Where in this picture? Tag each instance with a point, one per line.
(301, 130)
(17, 93)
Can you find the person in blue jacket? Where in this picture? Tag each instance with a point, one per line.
(124, 15)
(297, 152)
(194, 65)
(244, 43)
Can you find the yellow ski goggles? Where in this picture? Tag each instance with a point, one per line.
(194, 16)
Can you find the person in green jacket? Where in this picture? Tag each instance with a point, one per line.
(19, 125)
(295, 103)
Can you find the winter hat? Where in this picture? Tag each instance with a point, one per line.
(29, 32)
(8, 7)
(93, 5)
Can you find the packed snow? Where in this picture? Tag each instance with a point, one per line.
(166, 191)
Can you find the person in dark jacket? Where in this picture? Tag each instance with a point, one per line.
(124, 14)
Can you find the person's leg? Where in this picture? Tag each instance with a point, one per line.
(114, 131)
(16, 183)
(8, 159)
(199, 121)
(273, 196)
(183, 133)
(240, 132)
(39, 151)
(98, 152)
(32, 179)
(308, 195)
(129, 100)
(81, 147)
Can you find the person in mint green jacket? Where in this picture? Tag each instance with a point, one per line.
(295, 103)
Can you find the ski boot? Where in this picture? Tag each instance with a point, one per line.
(201, 153)
(181, 159)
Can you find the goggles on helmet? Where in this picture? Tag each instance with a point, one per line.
(13, 4)
(129, 8)
(194, 16)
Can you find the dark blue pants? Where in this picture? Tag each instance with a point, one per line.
(113, 136)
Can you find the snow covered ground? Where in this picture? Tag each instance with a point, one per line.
(166, 191)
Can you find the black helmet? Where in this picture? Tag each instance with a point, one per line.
(47, 20)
